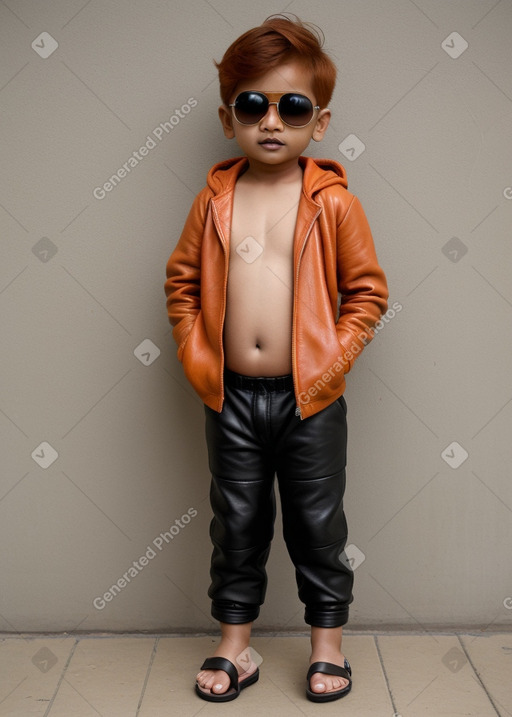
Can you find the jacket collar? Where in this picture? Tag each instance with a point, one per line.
(317, 173)
(223, 177)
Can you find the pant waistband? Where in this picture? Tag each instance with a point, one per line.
(258, 383)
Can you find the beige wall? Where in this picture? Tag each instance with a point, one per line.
(89, 364)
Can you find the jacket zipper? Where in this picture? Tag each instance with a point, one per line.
(224, 296)
(221, 342)
(298, 411)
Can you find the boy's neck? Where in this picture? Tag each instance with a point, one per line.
(274, 174)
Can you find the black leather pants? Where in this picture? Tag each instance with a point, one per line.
(255, 437)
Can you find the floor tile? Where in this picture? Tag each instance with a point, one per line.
(105, 676)
(430, 675)
(30, 670)
(281, 687)
(400, 675)
(491, 656)
(286, 662)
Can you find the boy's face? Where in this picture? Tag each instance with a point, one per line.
(290, 141)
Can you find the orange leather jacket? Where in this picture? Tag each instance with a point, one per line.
(333, 254)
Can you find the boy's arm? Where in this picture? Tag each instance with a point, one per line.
(183, 271)
(361, 282)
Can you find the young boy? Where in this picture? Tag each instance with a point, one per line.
(252, 292)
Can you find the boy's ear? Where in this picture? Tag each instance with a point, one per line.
(322, 122)
(226, 118)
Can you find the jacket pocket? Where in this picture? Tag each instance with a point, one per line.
(179, 331)
(201, 360)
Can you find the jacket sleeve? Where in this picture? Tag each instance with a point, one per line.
(183, 271)
(361, 282)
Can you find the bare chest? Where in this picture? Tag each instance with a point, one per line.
(258, 321)
(263, 224)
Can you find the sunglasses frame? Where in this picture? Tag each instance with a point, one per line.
(273, 98)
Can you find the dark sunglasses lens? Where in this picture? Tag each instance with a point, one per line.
(295, 110)
(250, 107)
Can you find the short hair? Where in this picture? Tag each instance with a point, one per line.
(276, 41)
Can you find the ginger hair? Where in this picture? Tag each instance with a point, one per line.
(276, 41)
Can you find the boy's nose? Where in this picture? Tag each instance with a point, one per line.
(271, 120)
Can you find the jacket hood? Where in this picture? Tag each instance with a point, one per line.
(318, 174)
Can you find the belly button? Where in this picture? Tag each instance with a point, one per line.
(258, 346)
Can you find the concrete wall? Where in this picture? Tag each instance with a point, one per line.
(103, 445)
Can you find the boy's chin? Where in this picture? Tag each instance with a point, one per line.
(273, 161)
(273, 157)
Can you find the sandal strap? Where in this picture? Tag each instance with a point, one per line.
(221, 663)
(329, 668)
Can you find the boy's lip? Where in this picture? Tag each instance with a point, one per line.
(271, 140)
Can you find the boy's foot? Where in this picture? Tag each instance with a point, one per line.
(332, 679)
(217, 681)
(321, 683)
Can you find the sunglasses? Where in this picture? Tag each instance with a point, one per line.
(294, 110)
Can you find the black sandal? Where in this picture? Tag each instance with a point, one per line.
(328, 668)
(235, 685)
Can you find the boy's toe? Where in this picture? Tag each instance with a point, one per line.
(217, 681)
(325, 683)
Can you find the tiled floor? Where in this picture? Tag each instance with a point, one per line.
(400, 675)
